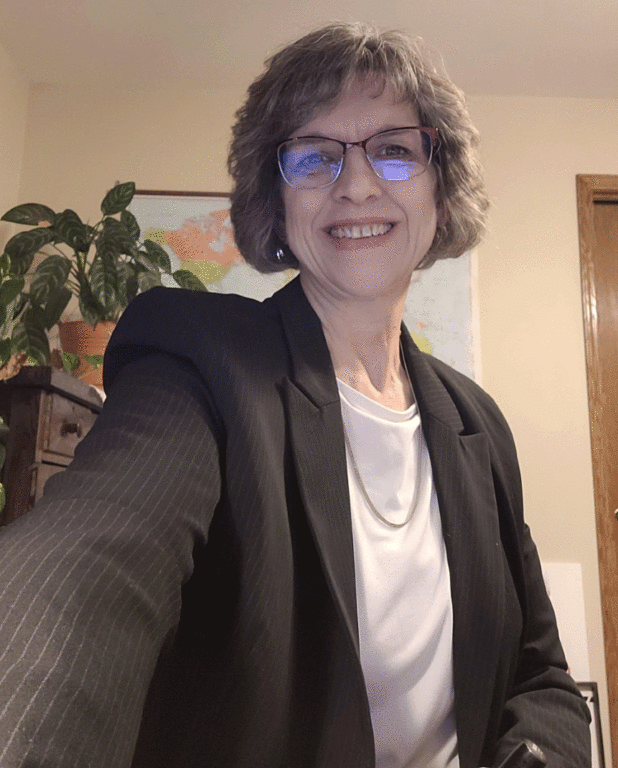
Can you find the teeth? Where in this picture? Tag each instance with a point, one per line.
(356, 232)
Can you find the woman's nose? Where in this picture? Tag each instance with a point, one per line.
(357, 180)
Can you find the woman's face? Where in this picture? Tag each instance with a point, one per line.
(337, 258)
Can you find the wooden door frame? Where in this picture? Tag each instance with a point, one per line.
(592, 188)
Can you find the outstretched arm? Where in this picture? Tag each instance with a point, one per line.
(91, 577)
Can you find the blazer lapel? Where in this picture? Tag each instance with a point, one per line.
(463, 478)
(316, 430)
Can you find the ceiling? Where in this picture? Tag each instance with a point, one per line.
(492, 47)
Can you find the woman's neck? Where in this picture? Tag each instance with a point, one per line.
(363, 337)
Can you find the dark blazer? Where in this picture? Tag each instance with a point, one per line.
(184, 595)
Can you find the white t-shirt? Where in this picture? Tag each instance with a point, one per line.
(405, 613)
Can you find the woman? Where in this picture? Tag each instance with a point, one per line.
(292, 539)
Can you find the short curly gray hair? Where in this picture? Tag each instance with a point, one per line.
(313, 72)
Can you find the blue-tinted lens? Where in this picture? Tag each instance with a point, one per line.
(394, 170)
(301, 163)
(310, 163)
(400, 154)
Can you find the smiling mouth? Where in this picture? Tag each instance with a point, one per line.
(357, 232)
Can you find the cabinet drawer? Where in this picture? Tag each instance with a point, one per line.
(64, 424)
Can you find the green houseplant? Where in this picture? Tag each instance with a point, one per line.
(104, 265)
(12, 307)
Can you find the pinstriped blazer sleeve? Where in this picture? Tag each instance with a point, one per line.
(91, 577)
(544, 703)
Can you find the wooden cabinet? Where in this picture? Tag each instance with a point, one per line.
(48, 413)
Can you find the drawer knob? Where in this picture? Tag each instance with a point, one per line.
(71, 428)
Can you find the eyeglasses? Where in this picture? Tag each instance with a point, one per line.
(400, 154)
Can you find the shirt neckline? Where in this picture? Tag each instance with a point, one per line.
(359, 402)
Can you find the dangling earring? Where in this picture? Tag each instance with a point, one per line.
(279, 255)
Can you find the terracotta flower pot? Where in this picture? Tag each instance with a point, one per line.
(81, 339)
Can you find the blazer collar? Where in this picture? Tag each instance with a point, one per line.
(312, 368)
(431, 395)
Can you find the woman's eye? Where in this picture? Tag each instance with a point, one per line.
(394, 150)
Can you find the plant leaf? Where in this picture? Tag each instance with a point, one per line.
(186, 279)
(5, 353)
(55, 306)
(158, 255)
(22, 301)
(22, 247)
(50, 275)
(143, 262)
(29, 336)
(72, 230)
(5, 263)
(147, 280)
(115, 233)
(4, 428)
(130, 222)
(127, 284)
(124, 272)
(70, 362)
(10, 290)
(30, 213)
(104, 276)
(92, 311)
(118, 198)
(94, 360)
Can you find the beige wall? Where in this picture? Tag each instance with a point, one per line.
(79, 144)
(532, 346)
(13, 113)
